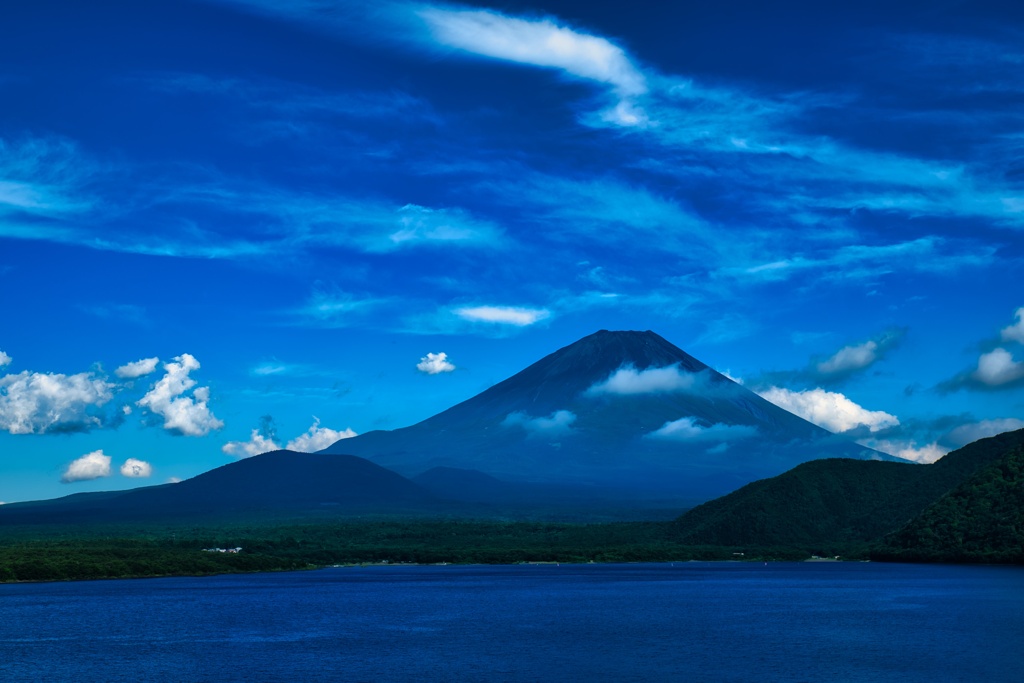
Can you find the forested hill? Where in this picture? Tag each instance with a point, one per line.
(982, 520)
(839, 501)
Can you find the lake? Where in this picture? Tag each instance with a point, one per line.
(627, 622)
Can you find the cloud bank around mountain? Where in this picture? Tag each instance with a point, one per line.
(627, 381)
(831, 410)
(558, 423)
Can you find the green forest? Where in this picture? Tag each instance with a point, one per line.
(982, 520)
(967, 507)
(122, 552)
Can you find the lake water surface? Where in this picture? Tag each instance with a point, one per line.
(628, 622)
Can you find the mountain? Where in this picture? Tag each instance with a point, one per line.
(829, 502)
(452, 483)
(623, 411)
(981, 520)
(279, 483)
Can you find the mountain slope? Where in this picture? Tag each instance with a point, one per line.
(981, 520)
(625, 409)
(280, 482)
(836, 501)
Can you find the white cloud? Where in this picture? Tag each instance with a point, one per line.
(965, 434)
(539, 43)
(857, 261)
(435, 364)
(503, 315)
(139, 368)
(36, 403)
(4, 359)
(559, 422)
(688, 429)
(628, 380)
(136, 469)
(828, 409)
(850, 358)
(173, 480)
(185, 415)
(907, 450)
(997, 368)
(90, 466)
(318, 438)
(855, 357)
(257, 444)
(1014, 332)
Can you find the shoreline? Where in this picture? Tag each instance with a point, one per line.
(384, 564)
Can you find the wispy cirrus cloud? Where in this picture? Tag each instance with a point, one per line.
(274, 368)
(536, 42)
(931, 254)
(293, 101)
(516, 316)
(425, 226)
(129, 313)
(752, 140)
(51, 190)
(43, 178)
(544, 43)
(296, 221)
(605, 210)
(333, 308)
(749, 137)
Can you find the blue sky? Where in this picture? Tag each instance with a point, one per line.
(231, 225)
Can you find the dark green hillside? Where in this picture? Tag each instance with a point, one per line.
(982, 520)
(830, 503)
(275, 484)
